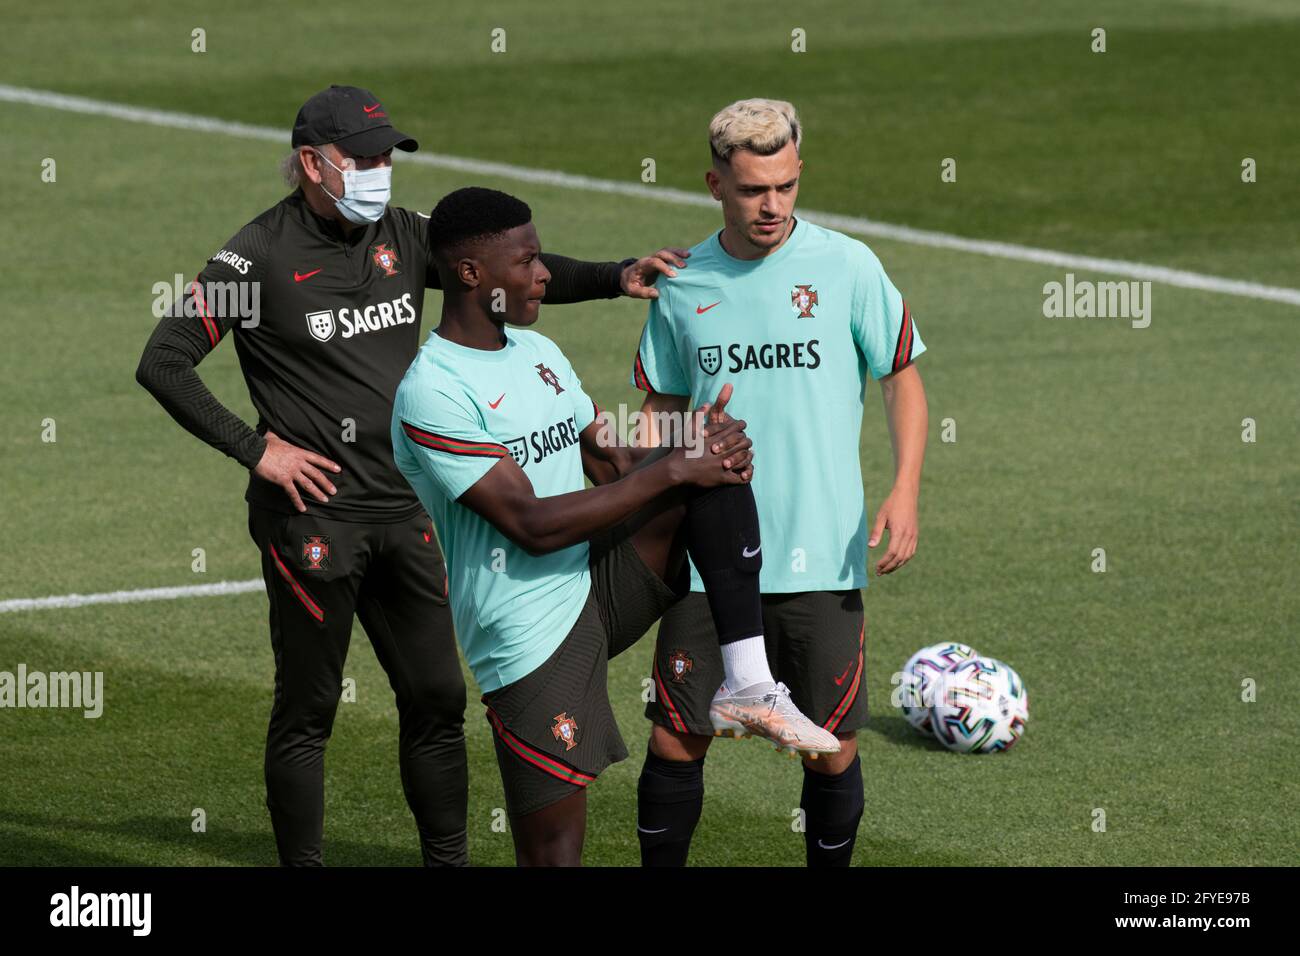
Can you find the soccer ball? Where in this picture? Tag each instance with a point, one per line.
(918, 678)
(980, 706)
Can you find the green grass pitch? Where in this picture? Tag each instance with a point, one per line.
(1071, 435)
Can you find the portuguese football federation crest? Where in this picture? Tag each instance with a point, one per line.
(679, 665)
(385, 258)
(710, 357)
(549, 377)
(315, 552)
(566, 729)
(804, 298)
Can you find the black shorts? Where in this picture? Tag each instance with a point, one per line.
(554, 728)
(816, 645)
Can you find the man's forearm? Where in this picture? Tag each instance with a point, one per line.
(605, 458)
(909, 421)
(167, 371)
(561, 521)
(628, 458)
(609, 465)
(574, 280)
(658, 410)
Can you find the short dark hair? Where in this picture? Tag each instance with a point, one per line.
(474, 213)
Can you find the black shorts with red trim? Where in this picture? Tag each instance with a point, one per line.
(554, 728)
(816, 645)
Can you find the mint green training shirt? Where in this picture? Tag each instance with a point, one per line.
(458, 412)
(796, 334)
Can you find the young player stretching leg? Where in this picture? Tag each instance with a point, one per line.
(548, 579)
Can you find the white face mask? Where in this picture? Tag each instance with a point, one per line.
(365, 192)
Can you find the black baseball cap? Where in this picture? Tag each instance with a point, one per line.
(352, 119)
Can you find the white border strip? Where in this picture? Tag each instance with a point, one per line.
(220, 589)
(850, 224)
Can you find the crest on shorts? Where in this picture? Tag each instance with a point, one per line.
(565, 728)
(710, 357)
(518, 450)
(803, 298)
(679, 665)
(321, 325)
(385, 258)
(315, 552)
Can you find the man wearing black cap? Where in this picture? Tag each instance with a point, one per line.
(338, 279)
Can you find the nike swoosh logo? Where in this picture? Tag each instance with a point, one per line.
(641, 829)
(701, 309)
(835, 847)
(840, 680)
(300, 276)
(493, 405)
(746, 553)
(370, 109)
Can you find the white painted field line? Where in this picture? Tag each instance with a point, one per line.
(220, 589)
(850, 224)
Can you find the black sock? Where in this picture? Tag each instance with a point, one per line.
(832, 807)
(670, 795)
(722, 538)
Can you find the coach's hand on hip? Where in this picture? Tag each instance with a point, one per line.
(639, 277)
(292, 467)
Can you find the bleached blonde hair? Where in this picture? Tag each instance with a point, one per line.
(761, 126)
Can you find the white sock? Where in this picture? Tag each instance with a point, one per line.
(745, 663)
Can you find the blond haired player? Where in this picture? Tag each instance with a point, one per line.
(797, 317)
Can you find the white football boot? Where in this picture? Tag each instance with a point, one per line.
(766, 710)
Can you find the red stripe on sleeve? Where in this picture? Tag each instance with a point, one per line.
(638, 373)
(455, 446)
(903, 350)
(209, 323)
